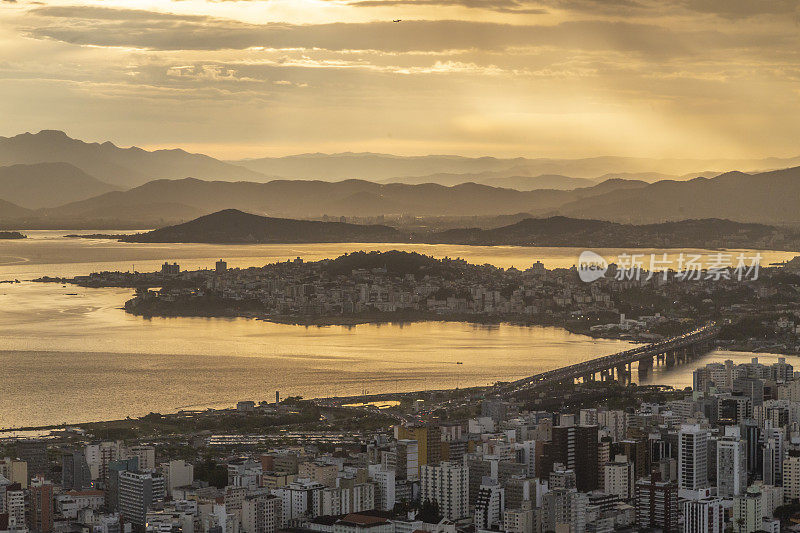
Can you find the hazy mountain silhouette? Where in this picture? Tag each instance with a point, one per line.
(500, 179)
(302, 199)
(129, 167)
(48, 184)
(234, 226)
(564, 231)
(768, 197)
(123, 167)
(391, 168)
(658, 176)
(13, 211)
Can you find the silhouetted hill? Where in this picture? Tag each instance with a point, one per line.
(48, 184)
(563, 231)
(394, 262)
(234, 226)
(123, 167)
(767, 198)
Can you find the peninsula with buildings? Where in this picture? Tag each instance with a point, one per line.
(760, 315)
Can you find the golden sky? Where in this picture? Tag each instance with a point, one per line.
(538, 78)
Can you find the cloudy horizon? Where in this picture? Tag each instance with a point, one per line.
(545, 78)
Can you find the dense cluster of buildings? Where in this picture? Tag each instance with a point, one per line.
(320, 290)
(724, 457)
(299, 288)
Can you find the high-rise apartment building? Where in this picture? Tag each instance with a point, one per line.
(41, 505)
(657, 504)
(261, 513)
(490, 505)
(448, 485)
(75, 473)
(692, 458)
(731, 466)
(706, 515)
(138, 491)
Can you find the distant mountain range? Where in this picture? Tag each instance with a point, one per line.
(233, 226)
(130, 167)
(501, 179)
(52, 180)
(122, 167)
(48, 184)
(528, 182)
(768, 197)
(308, 199)
(765, 198)
(564, 231)
(392, 168)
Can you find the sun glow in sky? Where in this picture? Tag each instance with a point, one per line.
(537, 78)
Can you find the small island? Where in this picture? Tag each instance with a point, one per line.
(232, 226)
(113, 236)
(12, 235)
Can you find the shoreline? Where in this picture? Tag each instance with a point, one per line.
(120, 237)
(423, 242)
(407, 318)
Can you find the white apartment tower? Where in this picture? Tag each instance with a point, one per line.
(703, 516)
(618, 477)
(791, 478)
(747, 515)
(490, 505)
(448, 485)
(731, 467)
(692, 458)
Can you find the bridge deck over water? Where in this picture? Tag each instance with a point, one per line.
(673, 350)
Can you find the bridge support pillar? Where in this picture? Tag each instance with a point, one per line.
(669, 359)
(646, 365)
